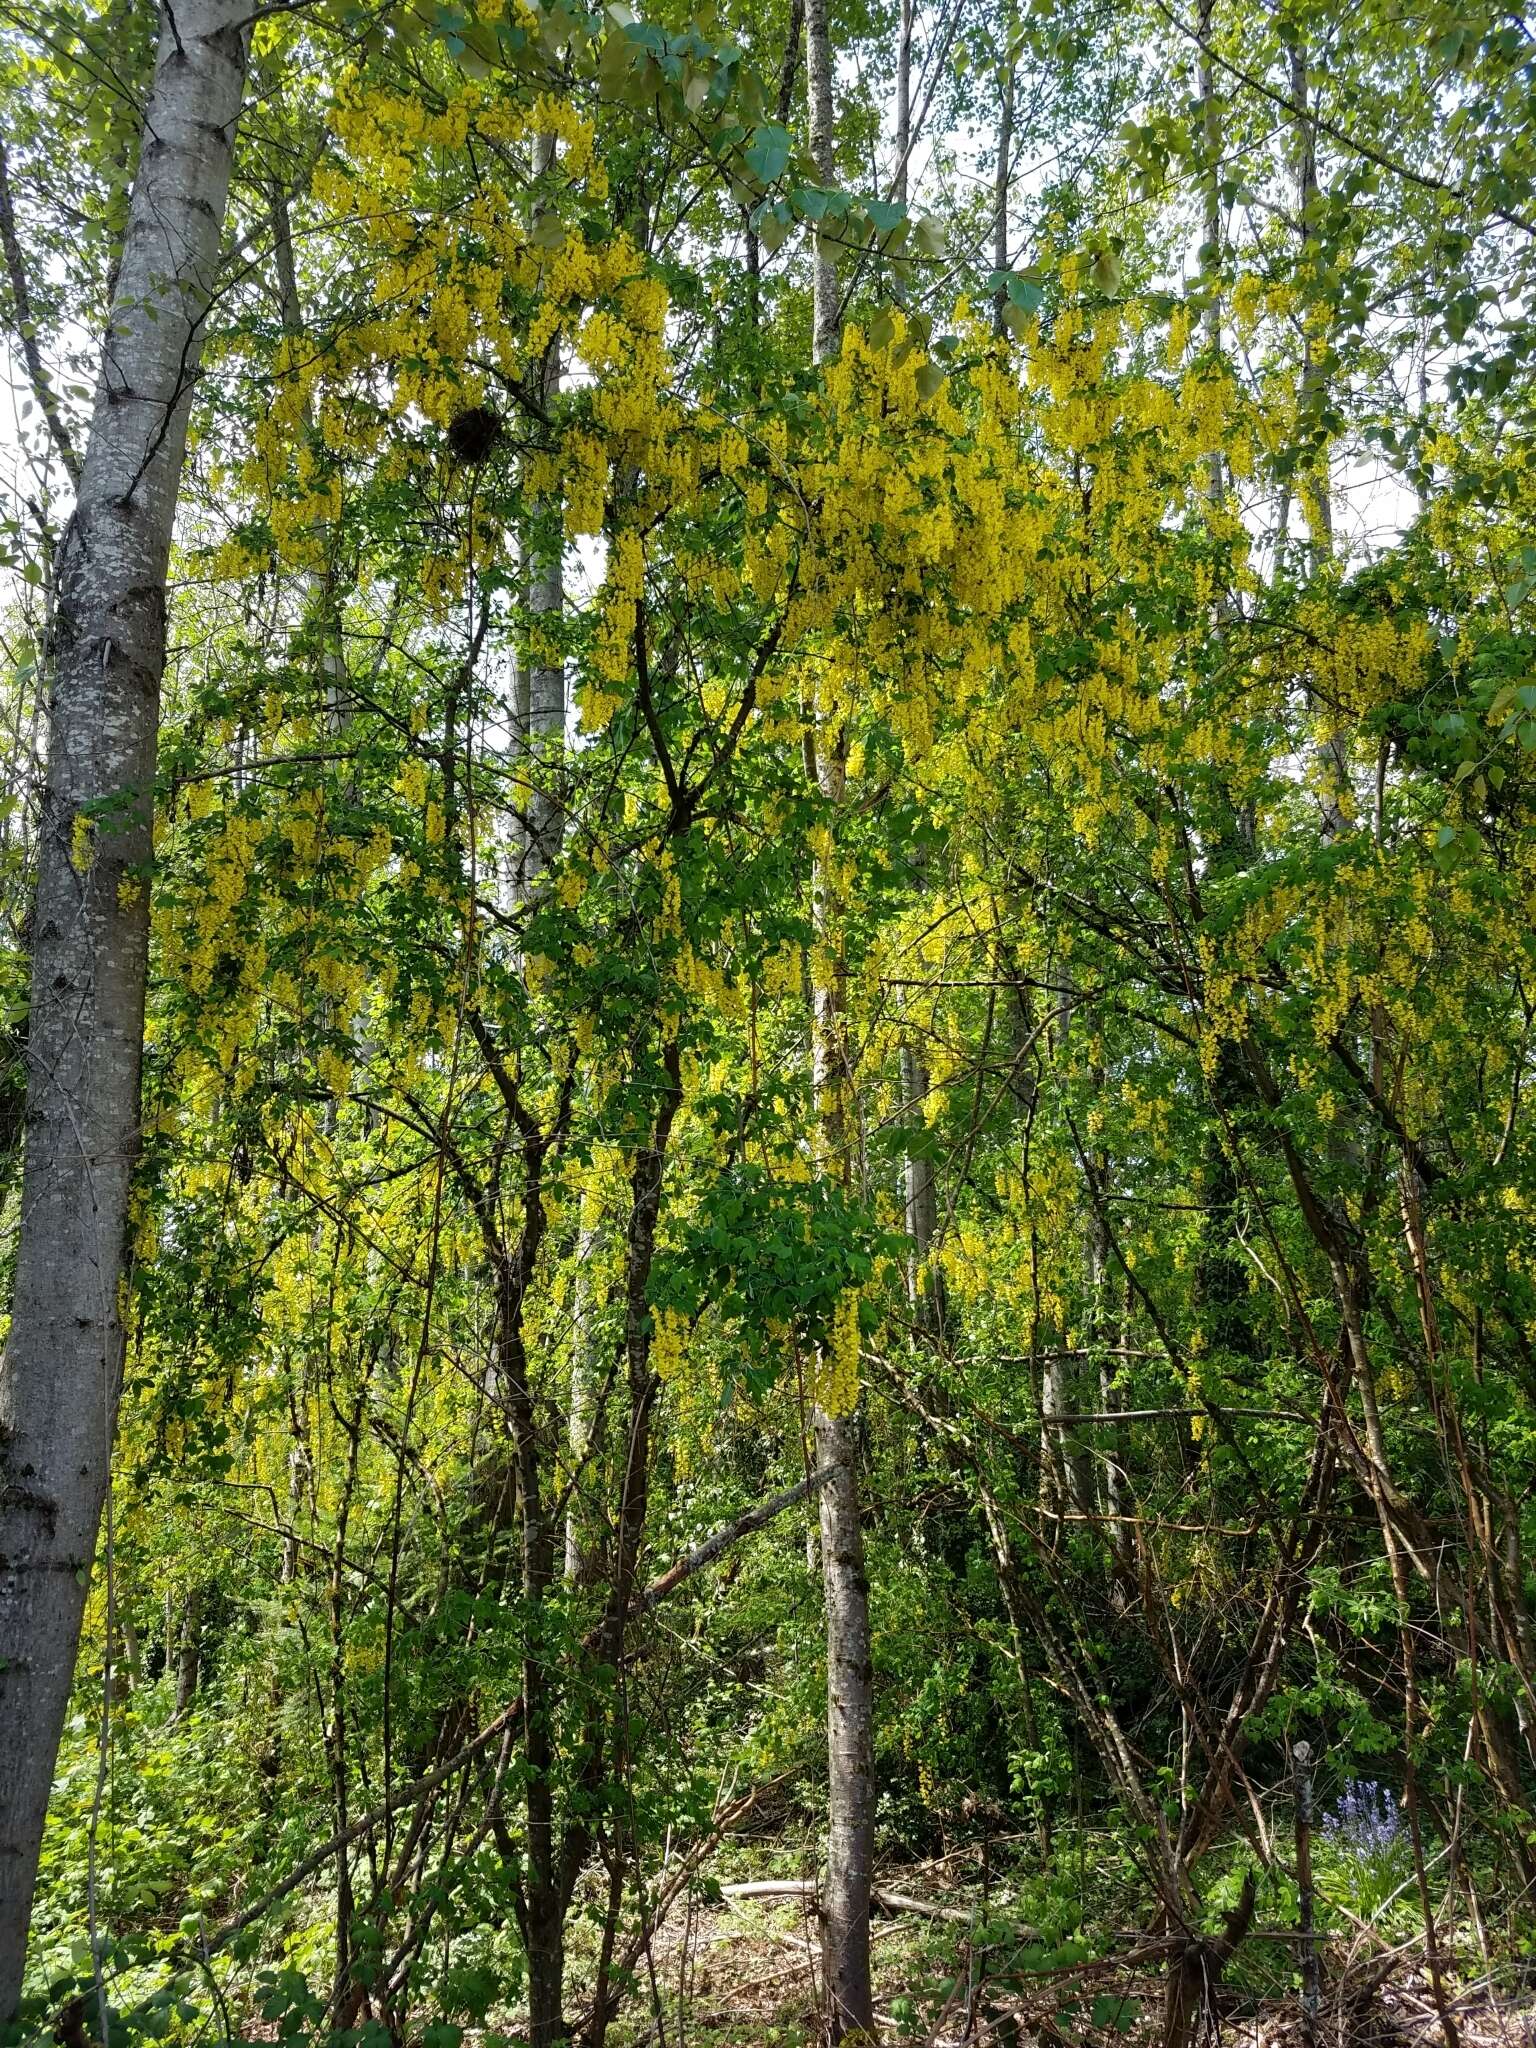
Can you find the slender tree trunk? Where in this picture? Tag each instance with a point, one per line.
(539, 727)
(541, 712)
(850, 1700)
(579, 1413)
(1114, 1486)
(1065, 1470)
(850, 1671)
(62, 1370)
(826, 308)
(1211, 251)
(1002, 173)
(1331, 754)
(540, 678)
(543, 1919)
(789, 71)
(903, 101)
(850, 1720)
(850, 1717)
(1319, 501)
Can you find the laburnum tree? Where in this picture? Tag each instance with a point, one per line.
(841, 886)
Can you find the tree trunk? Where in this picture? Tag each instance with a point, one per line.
(541, 680)
(1319, 506)
(826, 308)
(850, 1722)
(541, 1912)
(580, 1411)
(1210, 251)
(1195, 1974)
(62, 1370)
(1332, 754)
(903, 102)
(1002, 173)
(850, 1718)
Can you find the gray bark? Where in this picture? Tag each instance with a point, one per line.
(1211, 250)
(1332, 755)
(826, 308)
(1312, 379)
(845, 1581)
(1002, 172)
(850, 1674)
(1065, 1482)
(903, 101)
(850, 1732)
(62, 1369)
(540, 683)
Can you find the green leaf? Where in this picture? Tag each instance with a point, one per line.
(773, 227)
(767, 154)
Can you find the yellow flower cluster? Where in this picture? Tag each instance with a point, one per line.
(835, 1374)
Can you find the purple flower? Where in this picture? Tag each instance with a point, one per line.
(1366, 1823)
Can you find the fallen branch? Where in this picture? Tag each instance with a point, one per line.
(902, 1902)
(771, 1888)
(886, 1901)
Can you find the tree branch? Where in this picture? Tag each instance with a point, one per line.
(26, 327)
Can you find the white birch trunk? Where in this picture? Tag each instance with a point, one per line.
(62, 1369)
